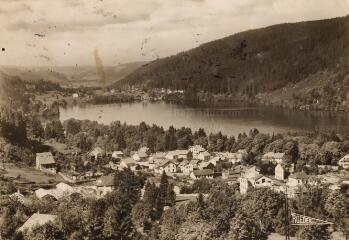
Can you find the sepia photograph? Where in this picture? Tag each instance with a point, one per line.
(174, 120)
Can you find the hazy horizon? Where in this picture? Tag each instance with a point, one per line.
(65, 33)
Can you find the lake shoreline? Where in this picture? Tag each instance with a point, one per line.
(226, 120)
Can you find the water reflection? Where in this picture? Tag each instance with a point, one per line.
(230, 121)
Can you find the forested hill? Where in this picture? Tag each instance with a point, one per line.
(307, 60)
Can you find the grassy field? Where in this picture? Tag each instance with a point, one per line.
(30, 174)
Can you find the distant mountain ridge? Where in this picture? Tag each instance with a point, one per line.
(294, 64)
(72, 76)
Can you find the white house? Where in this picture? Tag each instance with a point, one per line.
(45, 162)
(191, 166)
(244, 185)
(263, 181)
(279, 172)
(203, 156)
(273, 157)
(117, 154)
(62, 190)
(145, 150)
(140, 156)
(344, 162)
(258, 181)
(75, 95)
(248, 179)
(196, 149)
(167, 167)
(234, 158)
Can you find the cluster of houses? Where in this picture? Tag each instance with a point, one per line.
(195, 162)
(284, 179)
(95, 189)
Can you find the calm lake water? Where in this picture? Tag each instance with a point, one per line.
(230, 121)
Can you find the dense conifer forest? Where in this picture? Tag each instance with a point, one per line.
(299, 64)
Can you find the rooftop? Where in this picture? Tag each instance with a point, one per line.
(37, 219)
(273, 155)
(178, 152)
(158, 155)
(204, 172)
(204, 153)
(45, 158)
(194, 161)
(299, 175)
(118, 152)
(197, 148)
(128, 161)
(142, 154)
(105, 181)
(96, 150)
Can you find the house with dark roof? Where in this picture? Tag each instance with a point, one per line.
(206, 165)
(301, 178)
(191, 166)
(156, 158)
(45, 162)
(104, 185)
(237, 171)
(251, 177)
(233, 175)
(166, 166)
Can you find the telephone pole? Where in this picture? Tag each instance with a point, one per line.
(286, 220)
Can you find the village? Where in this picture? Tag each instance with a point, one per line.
(183, 167)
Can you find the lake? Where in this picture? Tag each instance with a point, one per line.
(230, 121)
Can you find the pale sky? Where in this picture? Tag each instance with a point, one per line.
(66, 32)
